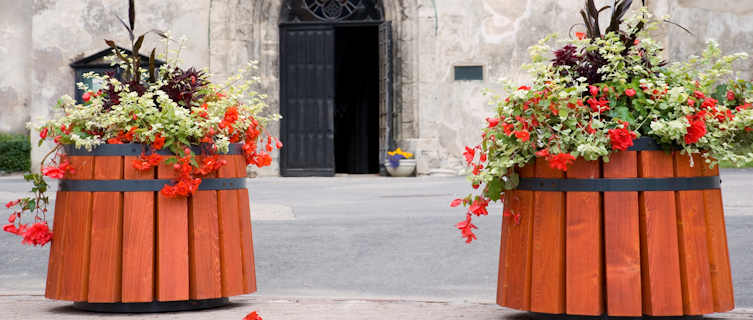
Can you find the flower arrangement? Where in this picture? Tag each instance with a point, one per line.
(394, 157)
(168, 108)
(595, 94)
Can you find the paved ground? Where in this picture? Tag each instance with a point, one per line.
(365, 237)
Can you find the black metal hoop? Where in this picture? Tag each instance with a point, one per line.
(152, 307)
(146, 185)
(137, 149)
(627, 184)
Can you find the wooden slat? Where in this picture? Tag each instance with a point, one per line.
(172, 243)
(106, 234)
(584, 264)
(138, 238)
(76, 235)
(691, 229)
(247, 242)
(622, 240)
(716, 235)
(548, 278)
(57, 247)
(230, 234)
(660, 261)
(204, 244)
(514, 284)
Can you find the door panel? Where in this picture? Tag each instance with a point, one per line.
(307, 100)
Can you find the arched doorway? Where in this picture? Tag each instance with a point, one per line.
(335, 87)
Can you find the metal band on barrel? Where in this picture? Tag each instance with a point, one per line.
(146, 185)
(626, 184)
(136, 149)
(648, 144)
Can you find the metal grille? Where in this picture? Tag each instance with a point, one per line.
(332, 10)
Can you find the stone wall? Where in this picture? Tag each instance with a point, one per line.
(15, 46)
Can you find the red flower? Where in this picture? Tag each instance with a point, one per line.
(456, 203)
(523, 135)
(524, 88)
(622, 139)
(466, 229)
(743, 107)
(697, 128)
(87, 96)
(43, 133)
(730, 95)
(145, 162)
(114, 141)
(594, 90)
(630, 92)
(11, 228)
(699, 95)
(542, 153)
(469, 154)
(580, 35)
(599, 106)
(553, 109)
(252, 316)
(12, 203)
(493, 122)
(561, 161)
(159, 142)
(478, 207)
(38, 234)
(53, 172)
(691, 102)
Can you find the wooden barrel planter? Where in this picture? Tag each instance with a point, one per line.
(120, 246)
(643, 234)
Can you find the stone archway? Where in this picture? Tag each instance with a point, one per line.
(248, 30)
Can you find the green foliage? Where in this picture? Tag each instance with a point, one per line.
(15, 152)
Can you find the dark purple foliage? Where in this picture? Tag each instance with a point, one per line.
(182, 85)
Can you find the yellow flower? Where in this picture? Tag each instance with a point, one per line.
(407, 155)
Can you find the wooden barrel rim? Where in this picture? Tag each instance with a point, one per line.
(147, 185)
(621, 184)
(136, 149)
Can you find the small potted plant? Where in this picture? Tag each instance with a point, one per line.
(607, 167)
(152, 213)
(400, 163)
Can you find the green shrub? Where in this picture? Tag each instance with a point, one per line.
(15, 152)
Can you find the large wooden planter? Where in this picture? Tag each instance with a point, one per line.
(119, 245)
(661, 251)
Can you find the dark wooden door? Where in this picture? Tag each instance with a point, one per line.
(307, 100)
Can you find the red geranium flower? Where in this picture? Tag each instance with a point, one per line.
(159, 142)
(466, 228)
(469, 154)
(53, 172)
(580, 35)
(492, 122)
(38, 234)
(456, 203)
(730, 95)
(561, 161)
(599, 106)
(252, 316)
(523, 135)
(630, 92)
(43, 133)
(622, 139)
(697, 128)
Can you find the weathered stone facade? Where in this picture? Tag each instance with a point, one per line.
(437, 115)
